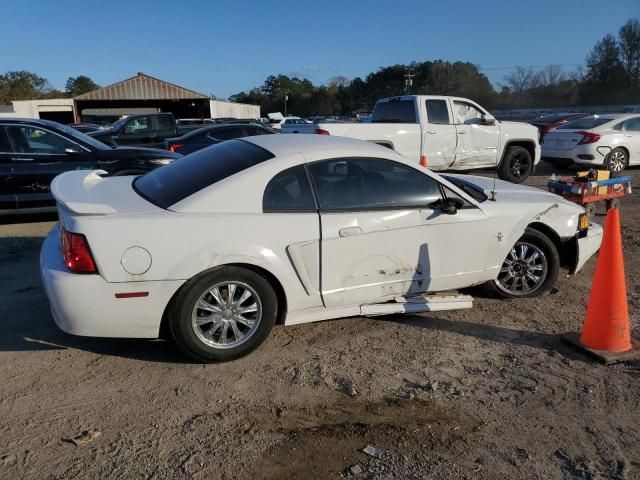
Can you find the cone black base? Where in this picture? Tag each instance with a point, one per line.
(603, 356)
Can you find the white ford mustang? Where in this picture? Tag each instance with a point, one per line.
(219, 245)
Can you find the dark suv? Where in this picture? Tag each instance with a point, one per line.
(33, 152)
(148, 130)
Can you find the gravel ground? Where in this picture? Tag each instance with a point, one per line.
(484, 393)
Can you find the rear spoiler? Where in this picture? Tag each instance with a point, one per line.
(73, 190)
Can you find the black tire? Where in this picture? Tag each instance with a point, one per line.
(616, 161)
(516, 165)
(551, 256)
(182, 314)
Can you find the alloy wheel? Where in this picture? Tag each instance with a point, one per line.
(519, 165)
(617, 161)
(524, 270)
(226, 315)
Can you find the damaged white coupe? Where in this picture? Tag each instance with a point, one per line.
(218, 246)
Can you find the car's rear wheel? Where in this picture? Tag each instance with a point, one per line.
(530, 269)
(516, 165)
(223, 314)
(617, 160)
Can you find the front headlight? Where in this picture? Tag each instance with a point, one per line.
(162, 161)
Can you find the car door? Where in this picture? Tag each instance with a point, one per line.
(439, 134)
(8, 202)
(164, 127)
(631, 132)
(477, 142)
(383, 234)
(37, 156)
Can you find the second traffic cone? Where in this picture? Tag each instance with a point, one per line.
(606, 332)
(423, 161)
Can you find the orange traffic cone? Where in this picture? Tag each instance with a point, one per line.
(606, 333)
(423, 161)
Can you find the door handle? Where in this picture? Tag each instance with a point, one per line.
(627, 135)
(431, 132)
(462, 132)
(349, 231)
(22, 159)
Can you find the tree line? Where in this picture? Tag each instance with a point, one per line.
(610, 76)
(23, 85)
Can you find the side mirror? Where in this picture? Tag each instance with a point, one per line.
(448, 206)
(487, 119)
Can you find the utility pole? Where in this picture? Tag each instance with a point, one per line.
(286, 97)
(408, 80)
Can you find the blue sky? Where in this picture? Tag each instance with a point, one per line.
(223, 47)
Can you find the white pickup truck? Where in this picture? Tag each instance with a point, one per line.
(443, 133)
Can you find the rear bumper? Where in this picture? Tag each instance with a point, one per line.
(86, 304)
(581, 154)
(586, 247)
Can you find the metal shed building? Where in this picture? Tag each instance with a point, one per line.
(145, 94)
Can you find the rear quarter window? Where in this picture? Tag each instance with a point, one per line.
(395, 111)
(182, 178)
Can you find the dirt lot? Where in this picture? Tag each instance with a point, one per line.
(483, 393)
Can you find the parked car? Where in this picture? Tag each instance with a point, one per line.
(611, 141)
(33, 152)
(148, 130)
(277, 124)
(446, 133)
(548, 123)
(216, 247)
(86, 127)
(207, 136)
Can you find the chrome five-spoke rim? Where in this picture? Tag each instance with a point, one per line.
(524, 270)
(616, 161)
(226, 315)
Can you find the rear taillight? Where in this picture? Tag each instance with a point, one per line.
(175, 146)
(76, 253)
(320, 131)
(588, 137)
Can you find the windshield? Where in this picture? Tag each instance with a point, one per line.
(467, 187)
(585, 123)
(394, 111)
(172, 183)
(82, 137)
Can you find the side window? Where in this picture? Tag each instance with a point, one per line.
(4, 144)
(363, 183)
(252, 130)
(165, 123)
(466, 113)
(138, 125)
(632, 125)
(228, 133)
(24, 139)
(289, 191)
(437, 112)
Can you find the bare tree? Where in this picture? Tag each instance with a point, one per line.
(629, 45)
(550, 76)
(521, 79)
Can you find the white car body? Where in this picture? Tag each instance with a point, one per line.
(567, 143)
(459, 140)
(327, 265)
(291, 120)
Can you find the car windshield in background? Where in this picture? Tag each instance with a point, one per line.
(172, 183)
(585, 123)
(394, 111)
(467, 187)
(82, 137)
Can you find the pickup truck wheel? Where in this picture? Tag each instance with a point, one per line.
(530, 269)
(516, 165)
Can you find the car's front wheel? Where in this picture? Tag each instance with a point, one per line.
(223, 314)
(530, 269)
(516, 166)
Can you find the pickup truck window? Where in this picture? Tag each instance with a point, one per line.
(466, 113)
(394, 111)
(355, 184)
(437, 112)
(165, 123)
(139, 124)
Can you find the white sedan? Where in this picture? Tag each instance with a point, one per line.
(220, 245)
(611, 141)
